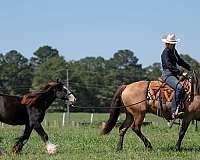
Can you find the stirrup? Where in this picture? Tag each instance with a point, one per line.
(180, 114)
(173, 120)
(175, 115)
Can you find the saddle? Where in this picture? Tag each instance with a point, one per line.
(159, 90)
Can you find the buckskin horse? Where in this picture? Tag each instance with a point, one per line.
(134, 97)
(29, 110)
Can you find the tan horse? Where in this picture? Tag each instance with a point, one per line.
(134, 98)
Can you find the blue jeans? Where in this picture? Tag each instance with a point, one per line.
(173, 82)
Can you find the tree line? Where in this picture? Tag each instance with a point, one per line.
(93, 80)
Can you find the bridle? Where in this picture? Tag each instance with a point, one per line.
(68, 91)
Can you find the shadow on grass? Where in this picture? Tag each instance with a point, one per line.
(183, 149)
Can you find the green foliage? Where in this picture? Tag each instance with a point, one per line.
(15, 73)
(195, 65)
(86, 79)
(50, 70)
(153, 71)
(124, 66)
(48, 66)
(43, 54)
(94, 80)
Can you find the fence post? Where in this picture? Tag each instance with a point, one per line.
(63, 119)
(68, 111)
(91, 118)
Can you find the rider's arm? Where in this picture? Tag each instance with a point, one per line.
(181, 62)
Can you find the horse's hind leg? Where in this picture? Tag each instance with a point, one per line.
(136, 127)
(122, 130)
(22, 140)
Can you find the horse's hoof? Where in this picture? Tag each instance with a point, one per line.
(17, 149)
(178, 149)
(51, 148)
(149, 148)
(119, 149)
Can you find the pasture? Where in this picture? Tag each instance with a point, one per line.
(84, 141)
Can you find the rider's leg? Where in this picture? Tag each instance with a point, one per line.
(174, 83)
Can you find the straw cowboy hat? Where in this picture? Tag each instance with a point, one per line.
(170, 38)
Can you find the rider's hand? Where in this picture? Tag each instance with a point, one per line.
(184, 74)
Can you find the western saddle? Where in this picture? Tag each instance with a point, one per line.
(159, 91)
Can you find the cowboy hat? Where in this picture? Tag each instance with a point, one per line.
(170, 38)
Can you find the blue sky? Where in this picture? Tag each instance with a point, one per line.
(80, 28)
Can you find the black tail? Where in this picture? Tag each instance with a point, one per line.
(114, 111)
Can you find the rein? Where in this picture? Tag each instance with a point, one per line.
(111, 107)
(120, 106)
(69, 92)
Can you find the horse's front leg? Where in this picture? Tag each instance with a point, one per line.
(22, 140)
(36, 116)
(183, 128)
(51, 148)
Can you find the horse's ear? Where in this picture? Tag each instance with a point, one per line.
(194, 73)
(57, 80)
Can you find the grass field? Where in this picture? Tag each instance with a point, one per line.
(85, 142)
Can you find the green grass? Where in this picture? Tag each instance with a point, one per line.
(85, 142)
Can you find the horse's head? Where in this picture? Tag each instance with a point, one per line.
(62, 92)
(196, 78)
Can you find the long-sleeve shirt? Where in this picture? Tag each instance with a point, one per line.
(170, 58)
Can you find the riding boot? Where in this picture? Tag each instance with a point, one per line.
(178, 97)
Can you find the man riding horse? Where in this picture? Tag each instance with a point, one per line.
(170, 58)
(142, 97)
